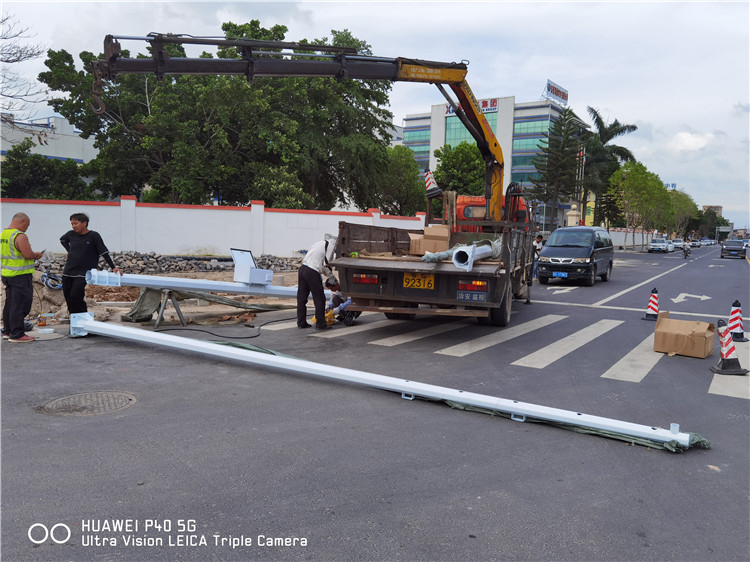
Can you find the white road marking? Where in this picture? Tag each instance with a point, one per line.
(646, 282)
(551, 353)
(682, 297)
(419, 334)
(636, 364)
(736, 386)
(357, 328)
(478, 344)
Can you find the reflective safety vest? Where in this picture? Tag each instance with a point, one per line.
(13, 262)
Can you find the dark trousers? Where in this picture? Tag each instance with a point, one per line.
(310, 281)
(19, 295)
(74, 291)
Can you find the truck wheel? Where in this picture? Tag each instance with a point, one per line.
(543, 280)
(392, 315)
(501, 316)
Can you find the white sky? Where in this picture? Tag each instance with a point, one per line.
(680, 71)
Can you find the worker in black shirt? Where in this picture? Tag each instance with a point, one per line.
(84, 248)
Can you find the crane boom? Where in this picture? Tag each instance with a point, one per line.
(285, 59)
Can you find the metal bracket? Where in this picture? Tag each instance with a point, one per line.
(167, 294)
(407, 396)
(518, 417)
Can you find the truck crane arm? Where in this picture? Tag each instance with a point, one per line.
(285, 59)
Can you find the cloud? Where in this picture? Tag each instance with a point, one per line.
(690, 142)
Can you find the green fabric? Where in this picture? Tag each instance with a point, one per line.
(149, 300)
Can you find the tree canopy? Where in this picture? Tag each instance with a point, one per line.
(460, 169)
(293, 142)
(558, 162)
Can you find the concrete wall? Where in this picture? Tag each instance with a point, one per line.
(127, 225)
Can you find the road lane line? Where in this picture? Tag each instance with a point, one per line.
(636, 364)
(348, 330)
(478, 344)
(419, 334)
(293, 323)
(672, 313)
(646, 282)
(736, 386)
(551, 353)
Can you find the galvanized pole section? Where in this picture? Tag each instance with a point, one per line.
(83, 323)
(109, 279)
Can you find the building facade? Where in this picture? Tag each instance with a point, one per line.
(519, 127)
(54, 137)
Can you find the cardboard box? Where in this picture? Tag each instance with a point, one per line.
(683, 337)
(434, 246)
(416, 244)
(440, 232)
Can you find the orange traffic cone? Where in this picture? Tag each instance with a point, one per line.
(729, 364)
(735, 322)
(652, 311)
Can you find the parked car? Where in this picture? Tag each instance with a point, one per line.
(660, 245)
(577, 252)
(679, 243)
(733, 248)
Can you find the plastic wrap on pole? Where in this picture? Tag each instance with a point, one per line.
(83, 323)
(109, 279)
(465, 256)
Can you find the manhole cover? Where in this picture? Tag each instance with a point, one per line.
(88, 404)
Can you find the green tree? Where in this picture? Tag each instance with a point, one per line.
(602, 160)
(558, 162)
(641, 195)
(403, 191)
(33, 176)
(460, 169)
(685, 210)
(310, 141)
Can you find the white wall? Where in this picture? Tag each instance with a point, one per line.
(127, 225)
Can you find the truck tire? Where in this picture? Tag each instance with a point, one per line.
(543, 280)
(501, 316)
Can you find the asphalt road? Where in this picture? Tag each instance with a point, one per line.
(201, 458)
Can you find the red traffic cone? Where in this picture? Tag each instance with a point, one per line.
(729, 364)
(652, 311)
(735, 322)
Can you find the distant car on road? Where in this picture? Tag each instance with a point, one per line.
(660, 245)
(733, 248)
(695, 243)
(679, 243)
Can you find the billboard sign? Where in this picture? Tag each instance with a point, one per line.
(487, 106)
(556, 92)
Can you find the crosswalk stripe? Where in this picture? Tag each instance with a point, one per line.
(327, 334)
(293, 323)
(736, 386)
(419, 334)
(551, 353)
(636, 364)
(478, 344)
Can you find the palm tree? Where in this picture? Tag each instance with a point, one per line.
(603, 159)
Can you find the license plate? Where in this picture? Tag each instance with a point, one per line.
(559, 274)
(419, 281)
(471, 296)
(733, 253)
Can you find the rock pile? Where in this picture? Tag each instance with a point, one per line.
(153, 263)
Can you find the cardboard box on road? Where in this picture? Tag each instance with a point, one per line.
(683, 337)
